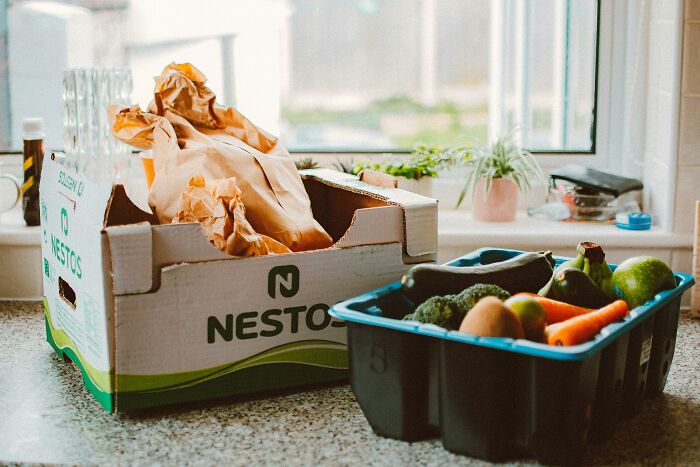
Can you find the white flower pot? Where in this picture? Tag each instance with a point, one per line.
(499, 204)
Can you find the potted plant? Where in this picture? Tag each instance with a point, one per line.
(497, 173)
(416, 172)
(306, 163)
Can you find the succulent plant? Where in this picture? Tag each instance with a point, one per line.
(347, 167)
(306, 163)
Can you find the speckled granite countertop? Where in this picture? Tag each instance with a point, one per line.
(46, 416)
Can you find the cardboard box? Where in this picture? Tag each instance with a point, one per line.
(155, 315)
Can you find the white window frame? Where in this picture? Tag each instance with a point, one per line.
(610, 100)
(610, 95)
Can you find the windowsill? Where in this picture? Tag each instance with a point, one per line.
(20, 246)
(14, 232)
(457, 228)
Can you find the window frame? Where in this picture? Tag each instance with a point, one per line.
(608, 99)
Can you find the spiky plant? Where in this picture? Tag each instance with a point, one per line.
(306, 163)
(503, 159)
(347, 167)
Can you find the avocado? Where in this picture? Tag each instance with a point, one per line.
(575, 287)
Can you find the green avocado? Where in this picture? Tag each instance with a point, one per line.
(640, 278)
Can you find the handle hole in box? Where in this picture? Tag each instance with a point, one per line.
(665, 370)
(66, 292)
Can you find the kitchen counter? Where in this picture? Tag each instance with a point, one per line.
(46, 416)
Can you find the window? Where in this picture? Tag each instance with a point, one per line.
(390, 73)
(330, 75)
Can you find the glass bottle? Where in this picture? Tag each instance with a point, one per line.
(33, 135)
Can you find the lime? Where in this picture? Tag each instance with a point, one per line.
(640, 278)
(531, 314)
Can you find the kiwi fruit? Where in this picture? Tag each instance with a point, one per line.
(490, 317)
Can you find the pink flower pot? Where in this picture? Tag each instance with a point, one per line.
(499, 204)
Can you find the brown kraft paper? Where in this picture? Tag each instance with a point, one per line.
(190, 135)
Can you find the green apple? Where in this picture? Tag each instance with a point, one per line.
(531, 314)
(640, 278)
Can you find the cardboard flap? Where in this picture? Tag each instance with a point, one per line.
(420, 212)
(378, 179)
(372, 226)
(132, 258)
(421, 219)
(121, 210)
(329, 175)
(178, 243)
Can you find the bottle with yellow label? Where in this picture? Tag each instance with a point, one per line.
(33, 135)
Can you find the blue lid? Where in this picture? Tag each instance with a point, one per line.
(633, 221)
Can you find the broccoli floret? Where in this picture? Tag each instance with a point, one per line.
(448, 311)
(466, 299)
(437, 310)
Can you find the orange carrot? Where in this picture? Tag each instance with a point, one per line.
(583, 328)
(557, 311)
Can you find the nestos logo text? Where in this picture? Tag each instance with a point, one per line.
(282, 282)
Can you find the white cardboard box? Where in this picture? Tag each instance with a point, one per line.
(154, 314)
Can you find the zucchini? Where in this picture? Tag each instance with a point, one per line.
(527, 272)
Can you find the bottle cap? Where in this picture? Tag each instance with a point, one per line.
(633, 221)
(33, 128)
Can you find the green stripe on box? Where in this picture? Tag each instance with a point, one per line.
(295, 364)
(255, 379)
(311, 353)
(62, 345)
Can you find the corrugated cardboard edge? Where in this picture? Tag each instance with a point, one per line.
(133, 245)
(154, 249)
(378, 179)
(122, 211)
(419, 212)
(391, 216)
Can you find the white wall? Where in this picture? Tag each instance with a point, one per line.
(159, 32)
(661, 147)
(44, 39)
(688, 174)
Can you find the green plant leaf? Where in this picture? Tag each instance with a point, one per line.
(503, 159)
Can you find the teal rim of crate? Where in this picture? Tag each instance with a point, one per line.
(348, 311)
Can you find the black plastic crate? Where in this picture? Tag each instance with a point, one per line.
(499, 398)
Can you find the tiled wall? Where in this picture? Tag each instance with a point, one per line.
(688, 173)
(663, 78)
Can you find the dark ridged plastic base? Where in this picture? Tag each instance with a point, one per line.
(498, 405)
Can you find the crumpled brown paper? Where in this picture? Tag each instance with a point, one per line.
(218, 207)
(189, 134)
